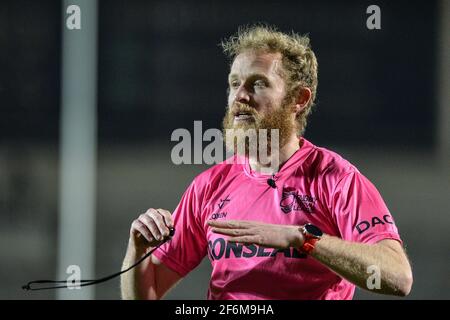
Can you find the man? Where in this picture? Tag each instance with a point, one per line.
(312, 228)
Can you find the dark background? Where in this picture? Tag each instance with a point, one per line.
(160, 68)
(153, 77)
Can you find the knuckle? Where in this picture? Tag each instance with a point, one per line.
(142, 229)
(147, 219)
(158, 217)
(165, 212)
(166, 215)
(152, 228)
(135, 224)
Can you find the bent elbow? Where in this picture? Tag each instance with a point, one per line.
(405, 284)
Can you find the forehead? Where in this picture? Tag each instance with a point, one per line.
(250, 62)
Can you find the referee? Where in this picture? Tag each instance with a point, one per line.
(311, 227)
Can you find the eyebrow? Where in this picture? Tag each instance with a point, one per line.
(251, 76)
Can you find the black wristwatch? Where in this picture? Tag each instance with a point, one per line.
(311, 235)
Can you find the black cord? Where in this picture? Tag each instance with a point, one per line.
(84, 283)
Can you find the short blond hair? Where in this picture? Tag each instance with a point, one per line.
(298, 59)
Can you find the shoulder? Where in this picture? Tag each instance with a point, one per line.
(331, 172)
(323, 162)
(211, 178)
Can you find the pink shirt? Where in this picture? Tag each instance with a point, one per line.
(315, 185)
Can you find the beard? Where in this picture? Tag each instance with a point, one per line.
(279, 119)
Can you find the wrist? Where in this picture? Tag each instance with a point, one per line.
(311, 235)
(297, 239)
(136, 248)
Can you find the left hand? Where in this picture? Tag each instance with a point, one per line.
(263, 234)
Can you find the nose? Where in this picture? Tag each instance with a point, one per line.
(242, 95)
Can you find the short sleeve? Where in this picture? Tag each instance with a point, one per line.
(188, 246)
(359, 211)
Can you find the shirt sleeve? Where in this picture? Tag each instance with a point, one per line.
(360, 212)
(188, 245)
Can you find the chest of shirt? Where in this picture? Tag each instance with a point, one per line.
(291, 202)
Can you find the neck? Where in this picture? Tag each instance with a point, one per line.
(283, 155)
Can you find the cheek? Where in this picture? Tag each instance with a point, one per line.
(230, 100)
(273, 96)
(267, 102)
(231, 96)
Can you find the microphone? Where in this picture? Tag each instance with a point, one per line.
(271, 182)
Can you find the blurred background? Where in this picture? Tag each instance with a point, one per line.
(86, 118)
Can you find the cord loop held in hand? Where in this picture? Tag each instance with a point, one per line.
(84, 283)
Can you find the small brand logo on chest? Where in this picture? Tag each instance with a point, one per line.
(291, 200)
(222, 203)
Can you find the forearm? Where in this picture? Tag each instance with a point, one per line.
(133, 282)
(353, 261)
(348, 259)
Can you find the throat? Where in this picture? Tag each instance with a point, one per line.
(271, 164)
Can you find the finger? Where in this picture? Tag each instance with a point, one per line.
(139, 227)
(253, 239)
(158, 219)
(238, 224)
(151, 225)
(232, 232)
(168, 220)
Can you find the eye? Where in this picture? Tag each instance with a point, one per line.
(260, 83)
(234, 84)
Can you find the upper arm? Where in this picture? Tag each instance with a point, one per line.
(360, 212)
(165, 278)
(391, 244)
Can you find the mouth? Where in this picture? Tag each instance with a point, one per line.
(243, 116)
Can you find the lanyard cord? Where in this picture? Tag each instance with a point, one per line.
(84, 283)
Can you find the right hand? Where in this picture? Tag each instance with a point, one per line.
(151, 228)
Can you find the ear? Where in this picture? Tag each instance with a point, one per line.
(303, 97)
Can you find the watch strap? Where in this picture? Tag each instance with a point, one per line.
(309, 242)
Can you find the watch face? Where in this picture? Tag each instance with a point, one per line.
(312, 229)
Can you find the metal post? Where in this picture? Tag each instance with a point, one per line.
(78, 148)
(444, 84)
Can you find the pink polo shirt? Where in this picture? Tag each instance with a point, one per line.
(314, 186)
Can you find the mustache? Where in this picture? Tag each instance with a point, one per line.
(238, 107)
